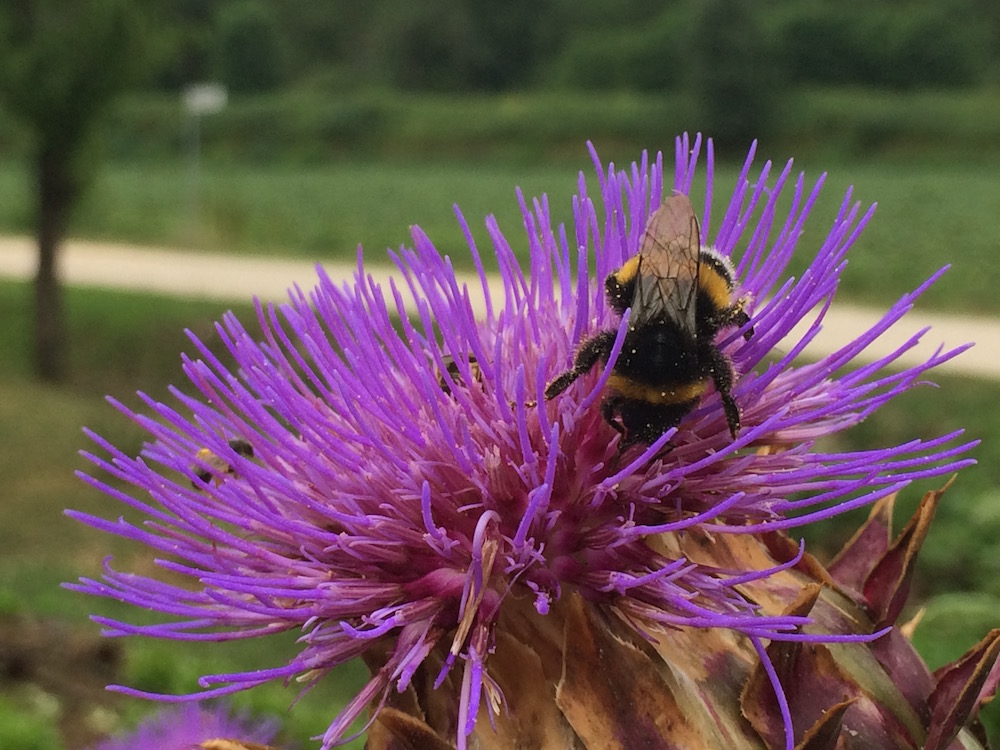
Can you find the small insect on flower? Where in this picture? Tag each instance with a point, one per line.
(455, 372)
(209, 466)
(680, 294)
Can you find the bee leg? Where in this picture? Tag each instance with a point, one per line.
(592, 350)
(733, 316)
(732, 414)
(609, 410)
(722, 376)
(740, 319)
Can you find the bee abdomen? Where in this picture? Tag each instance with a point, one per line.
(673, 393)
(715, 278)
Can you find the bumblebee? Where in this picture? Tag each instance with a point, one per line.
(217, 466)
(221, 744)
(680, 294)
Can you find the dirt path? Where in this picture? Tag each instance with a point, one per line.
(232, 278)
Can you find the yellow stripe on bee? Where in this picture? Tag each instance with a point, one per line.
(653, 394)
(627, 272)
(712, 283)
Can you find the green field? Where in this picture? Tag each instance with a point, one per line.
(928, 216)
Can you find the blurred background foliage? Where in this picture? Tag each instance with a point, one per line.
(322, 78)
(347, 122)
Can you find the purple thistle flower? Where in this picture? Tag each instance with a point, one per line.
(407, 479)
(188, 726)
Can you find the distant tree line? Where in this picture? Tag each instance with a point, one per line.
(63, 65)
(433, 45)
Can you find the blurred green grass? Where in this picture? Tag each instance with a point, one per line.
(928, 215)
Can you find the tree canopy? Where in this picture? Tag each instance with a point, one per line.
(61, 64)
(631, 44)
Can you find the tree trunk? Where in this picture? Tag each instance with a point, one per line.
(57, 191)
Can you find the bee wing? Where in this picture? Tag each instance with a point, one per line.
(667, 283)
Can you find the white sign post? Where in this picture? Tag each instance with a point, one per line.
(199, 99)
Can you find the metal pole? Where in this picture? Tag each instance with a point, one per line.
(194, 179)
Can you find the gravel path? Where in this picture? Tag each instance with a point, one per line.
(232, 278)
